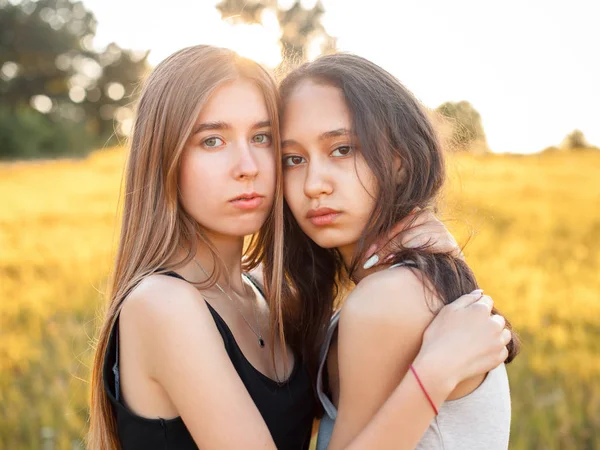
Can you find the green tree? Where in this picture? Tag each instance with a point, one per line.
(52, 80)
(299, 26)
(466, 130)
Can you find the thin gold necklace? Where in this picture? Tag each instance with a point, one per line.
(261, 341)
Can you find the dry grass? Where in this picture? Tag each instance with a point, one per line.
(535, 249)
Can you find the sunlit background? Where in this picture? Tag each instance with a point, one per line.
(515, 87)
(531, 68)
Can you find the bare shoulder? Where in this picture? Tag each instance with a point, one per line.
(397, 296)
(162, 297)
(162, 313)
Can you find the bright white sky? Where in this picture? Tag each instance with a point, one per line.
(530, 67)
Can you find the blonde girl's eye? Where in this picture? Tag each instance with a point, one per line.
(262, 138)
(212, 142)
(293, 160)
(342, 151)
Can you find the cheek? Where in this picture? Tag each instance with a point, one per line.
(197, 183)
(293, 191)
(268, 170)
(363, 191)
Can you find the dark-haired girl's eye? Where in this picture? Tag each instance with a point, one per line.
(262, 138)
(293, 160)
(342, 151)
(212, 142)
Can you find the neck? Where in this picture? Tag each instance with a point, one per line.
(347, 253)
(229, 250)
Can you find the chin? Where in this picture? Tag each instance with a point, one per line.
(240, 226)
(243, 228)
(327, 238)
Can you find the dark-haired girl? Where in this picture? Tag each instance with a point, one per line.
(359, 154)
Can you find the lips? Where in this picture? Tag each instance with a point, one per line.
(322, 216)
(249, 196)
(247, 201)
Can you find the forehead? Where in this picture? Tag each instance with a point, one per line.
(313, 109)
(235, 101)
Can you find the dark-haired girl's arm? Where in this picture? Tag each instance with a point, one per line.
(381, 403)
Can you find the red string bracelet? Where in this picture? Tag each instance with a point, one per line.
(424, 390)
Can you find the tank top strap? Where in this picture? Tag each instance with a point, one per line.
(221, 325)
(249, 277)
(219, 321)
(256, 284)
(328, 406)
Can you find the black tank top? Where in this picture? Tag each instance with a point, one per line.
(287, 409)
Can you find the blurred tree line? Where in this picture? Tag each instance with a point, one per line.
(60, 97)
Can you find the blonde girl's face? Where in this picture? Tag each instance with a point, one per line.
(327, 183)
(227, 172)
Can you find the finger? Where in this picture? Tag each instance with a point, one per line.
(433, 228)
(422, 239)
(420, 226)
(467, 299)
(457, 252)
(372, 249)
(506, 336)
(500, 320)
(486, 301)
(425, 239)
(381, 252)
(398, 228)
(503, 354)
(415, 218)
(434, 243)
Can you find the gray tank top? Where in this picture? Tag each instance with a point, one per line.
(479, 420)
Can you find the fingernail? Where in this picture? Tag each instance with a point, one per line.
(477, 291)
(371, 262)
(388, 258)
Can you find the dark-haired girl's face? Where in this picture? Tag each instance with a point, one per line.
(328, 185)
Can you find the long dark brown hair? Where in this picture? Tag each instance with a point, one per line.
(389, 124)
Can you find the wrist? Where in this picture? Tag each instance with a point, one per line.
(434, 375)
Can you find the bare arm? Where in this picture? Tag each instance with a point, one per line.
(381, 405)
(183, 352)
(379, 337)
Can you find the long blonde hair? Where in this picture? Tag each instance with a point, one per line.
(154, 224)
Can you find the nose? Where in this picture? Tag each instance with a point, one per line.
(317, 181)
(246, 167)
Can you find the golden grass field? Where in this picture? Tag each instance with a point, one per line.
(535, 247)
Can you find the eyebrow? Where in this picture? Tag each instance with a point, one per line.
(208, 126)
(334, 133)
(322, 137)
